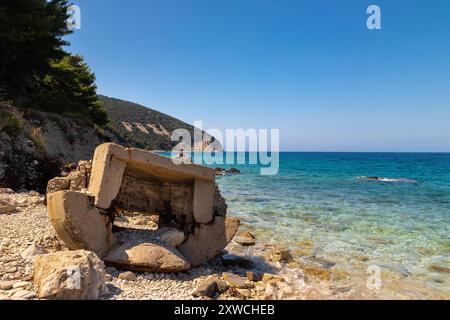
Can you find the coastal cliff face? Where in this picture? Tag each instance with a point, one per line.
(34, 145)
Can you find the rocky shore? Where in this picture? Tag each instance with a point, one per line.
(247, 269)
(26, 232)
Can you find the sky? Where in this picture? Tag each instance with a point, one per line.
(311, 69)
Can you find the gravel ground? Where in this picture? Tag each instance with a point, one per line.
(28, 226)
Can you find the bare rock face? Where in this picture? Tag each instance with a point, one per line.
(76, 180)
(147, 257)
(69, 275)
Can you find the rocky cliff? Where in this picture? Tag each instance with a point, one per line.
(35, 145)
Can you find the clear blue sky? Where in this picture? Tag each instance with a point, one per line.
(310, 68)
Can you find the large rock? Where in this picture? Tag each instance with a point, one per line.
(172, 237)
(147, 257)
(70, 275)
(209, 240)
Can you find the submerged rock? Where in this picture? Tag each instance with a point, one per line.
(319, 273)
(439, 269)
(245, 239)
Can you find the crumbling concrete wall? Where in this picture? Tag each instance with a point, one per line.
(184, 196)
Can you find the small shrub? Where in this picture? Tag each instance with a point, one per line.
(11, 125)
(39, 144)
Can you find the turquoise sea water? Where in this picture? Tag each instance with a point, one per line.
(403, 226)
(317, 198)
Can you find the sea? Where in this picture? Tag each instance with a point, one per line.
(388, 212)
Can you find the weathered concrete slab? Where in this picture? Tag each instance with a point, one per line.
(209, 240)
(184, 196)
(110, 161)
(79, 223)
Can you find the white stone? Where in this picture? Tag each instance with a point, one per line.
(70, 275)
(32, 252)
(172, 237)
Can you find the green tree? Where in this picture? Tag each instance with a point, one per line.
(70, 87)
(31, 33)
(35, 71)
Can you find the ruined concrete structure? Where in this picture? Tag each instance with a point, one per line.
(185, 196)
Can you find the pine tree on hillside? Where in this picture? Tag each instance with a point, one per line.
(31, 34)
(35, 71)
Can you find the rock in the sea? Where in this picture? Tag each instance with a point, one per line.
(234, 280)
(32, 252)
(245, 239)
(224, 172)
(6, 191)
(439, 269)
(147, 257)
(324, 263)
(268, 277)
(280, 254)
(70, 275)
(172, 237)
(128, 276)
(318, 273)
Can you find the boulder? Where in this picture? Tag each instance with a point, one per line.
(245, 239)
(209, 240)
(147, 257)
(280, 254)
(207, 288)
(318, 273)
(172, 237)
(128, 276)
(70, 275)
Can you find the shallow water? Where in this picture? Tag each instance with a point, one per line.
(402, 226)
(400, 223)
